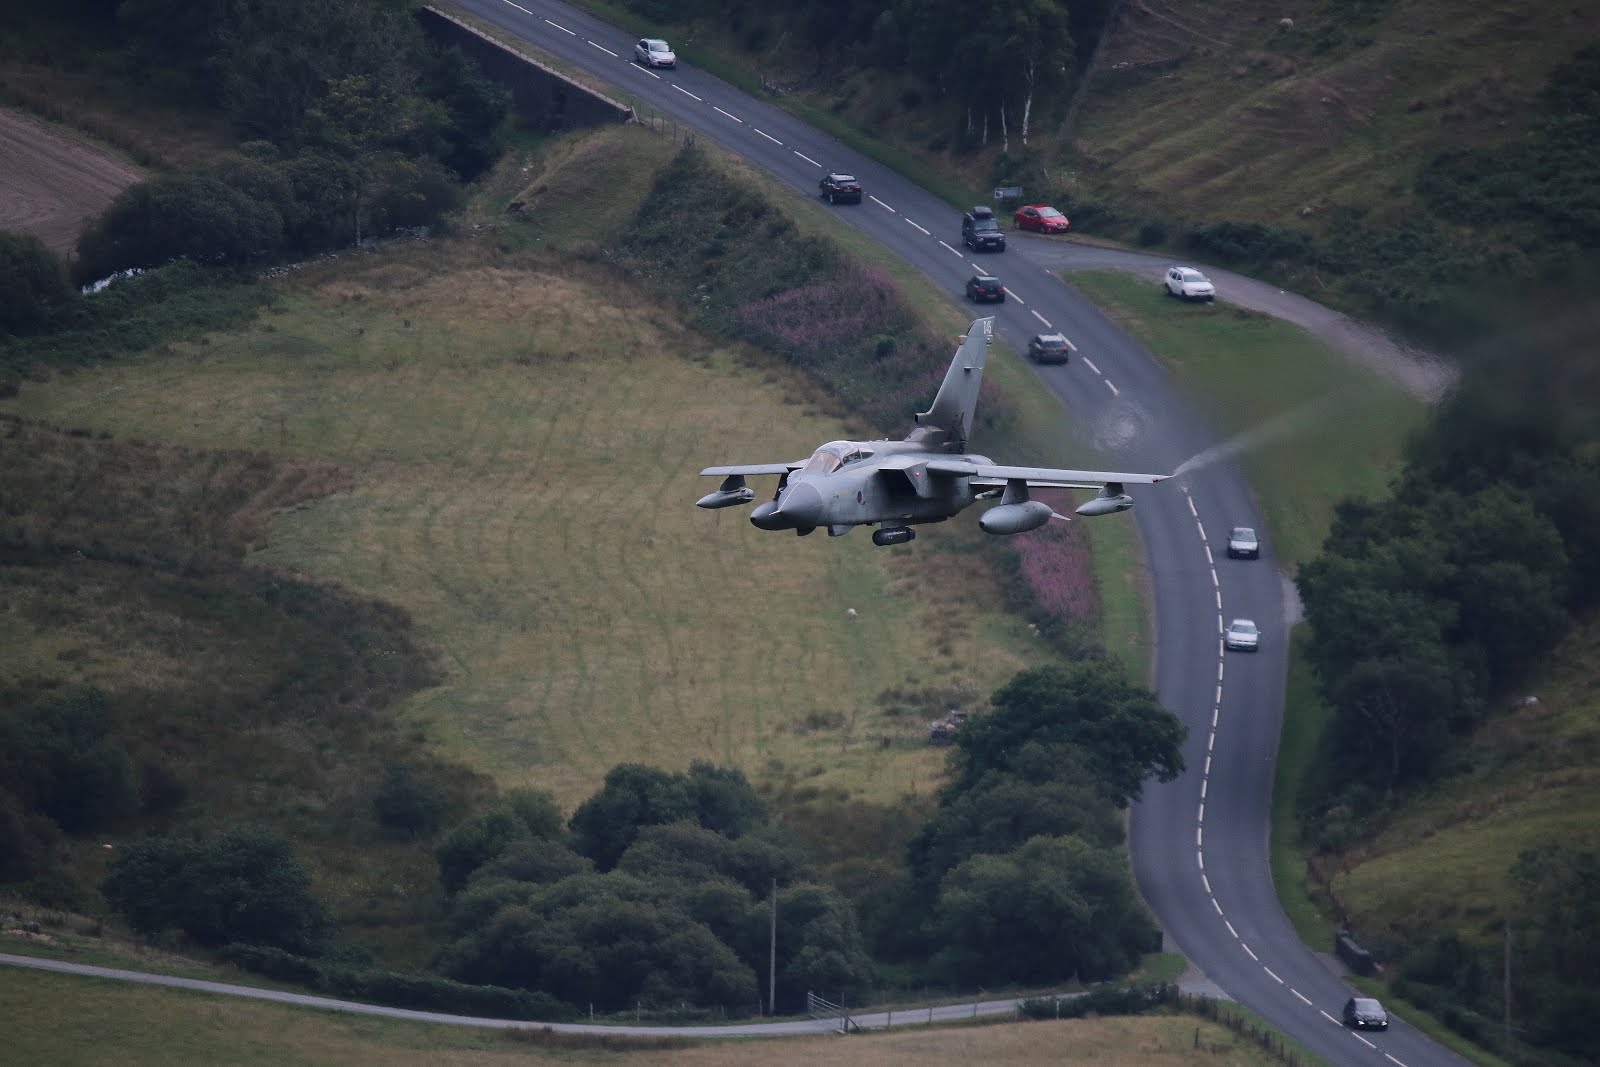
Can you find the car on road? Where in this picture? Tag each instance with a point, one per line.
(983, 288)
(981, 232)
(1243, 544)
(1040, 217)
(837, 187)
(654, 52)
(1049, 348)
(1364, 1013)
(1241, 636)
(1190, 284)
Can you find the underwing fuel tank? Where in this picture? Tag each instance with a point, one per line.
(732, 491)
(1110, 501)
(1015, 518)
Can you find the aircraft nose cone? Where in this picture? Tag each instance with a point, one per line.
(802, 505)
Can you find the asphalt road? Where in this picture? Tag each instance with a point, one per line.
(1199, 844)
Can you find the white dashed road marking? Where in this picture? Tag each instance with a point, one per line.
(768, 136)
(925, 233)
(1114, 390)
(1087, 362)
(557, 25)
(1041, 318)
(805, 157)
(886, 207)
(604, 49)
(686, 92)
(947, 248)
(735, 118)
(1305, 999)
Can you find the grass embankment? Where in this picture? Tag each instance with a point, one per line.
(126, 1024)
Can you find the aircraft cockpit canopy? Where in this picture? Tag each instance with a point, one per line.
(833, 455)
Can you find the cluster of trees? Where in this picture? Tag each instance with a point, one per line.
(1021, 876)
(350, 123)
(659, 890)
(656, 891)
(1428, 607)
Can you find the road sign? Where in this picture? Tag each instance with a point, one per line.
(1008, 192)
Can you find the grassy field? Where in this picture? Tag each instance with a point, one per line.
(526, 457)
(1328, 429)
(112, 1022)
(525, 436)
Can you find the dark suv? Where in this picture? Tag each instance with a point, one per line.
(980, 232)
(982, 288)
(839, 188)
(1049, 348)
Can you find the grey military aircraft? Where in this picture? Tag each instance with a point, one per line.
(927, 477)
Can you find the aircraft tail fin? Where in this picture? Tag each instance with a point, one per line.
(948, 422)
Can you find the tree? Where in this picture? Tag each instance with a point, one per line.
(1056, 908)
(243, 886)
(475, 842)
(62, 756)
(1002, 810)
(1124, 733)
(407, 802)
(33, 282)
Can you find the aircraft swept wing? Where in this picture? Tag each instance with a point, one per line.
(756, 468)
(1039, 477)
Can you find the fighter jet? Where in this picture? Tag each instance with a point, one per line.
(927, 477)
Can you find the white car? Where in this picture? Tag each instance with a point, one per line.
(654, 52)
(1241, 636)
(1243, 544)
(1189, 284)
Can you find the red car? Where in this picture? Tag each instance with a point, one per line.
(1042, 218)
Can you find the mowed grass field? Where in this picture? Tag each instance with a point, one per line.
(525, 437)
(1313, 427)
(116, 1023)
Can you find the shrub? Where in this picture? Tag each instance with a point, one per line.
(33, 282)
(179, 217)
(244, 885)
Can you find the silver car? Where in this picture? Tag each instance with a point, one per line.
(1190, 284)
(1241, 636)
(1242, 544)
(654, 52)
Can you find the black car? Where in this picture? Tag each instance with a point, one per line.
(983, 288)
(1364, 1013)
(1049, 348)
(981, 232)
(840, 188)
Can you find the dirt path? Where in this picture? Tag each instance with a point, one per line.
(50, 185)
(1423, 374)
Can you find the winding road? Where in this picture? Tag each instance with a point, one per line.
(1199, 844)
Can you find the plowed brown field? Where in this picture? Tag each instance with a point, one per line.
(50, 185)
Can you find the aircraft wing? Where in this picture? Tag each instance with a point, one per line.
(754, 468)
(1047, 477)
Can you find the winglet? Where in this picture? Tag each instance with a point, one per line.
(946, 424)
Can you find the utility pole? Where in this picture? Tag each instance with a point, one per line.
(1506, 992)
(772, 955)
